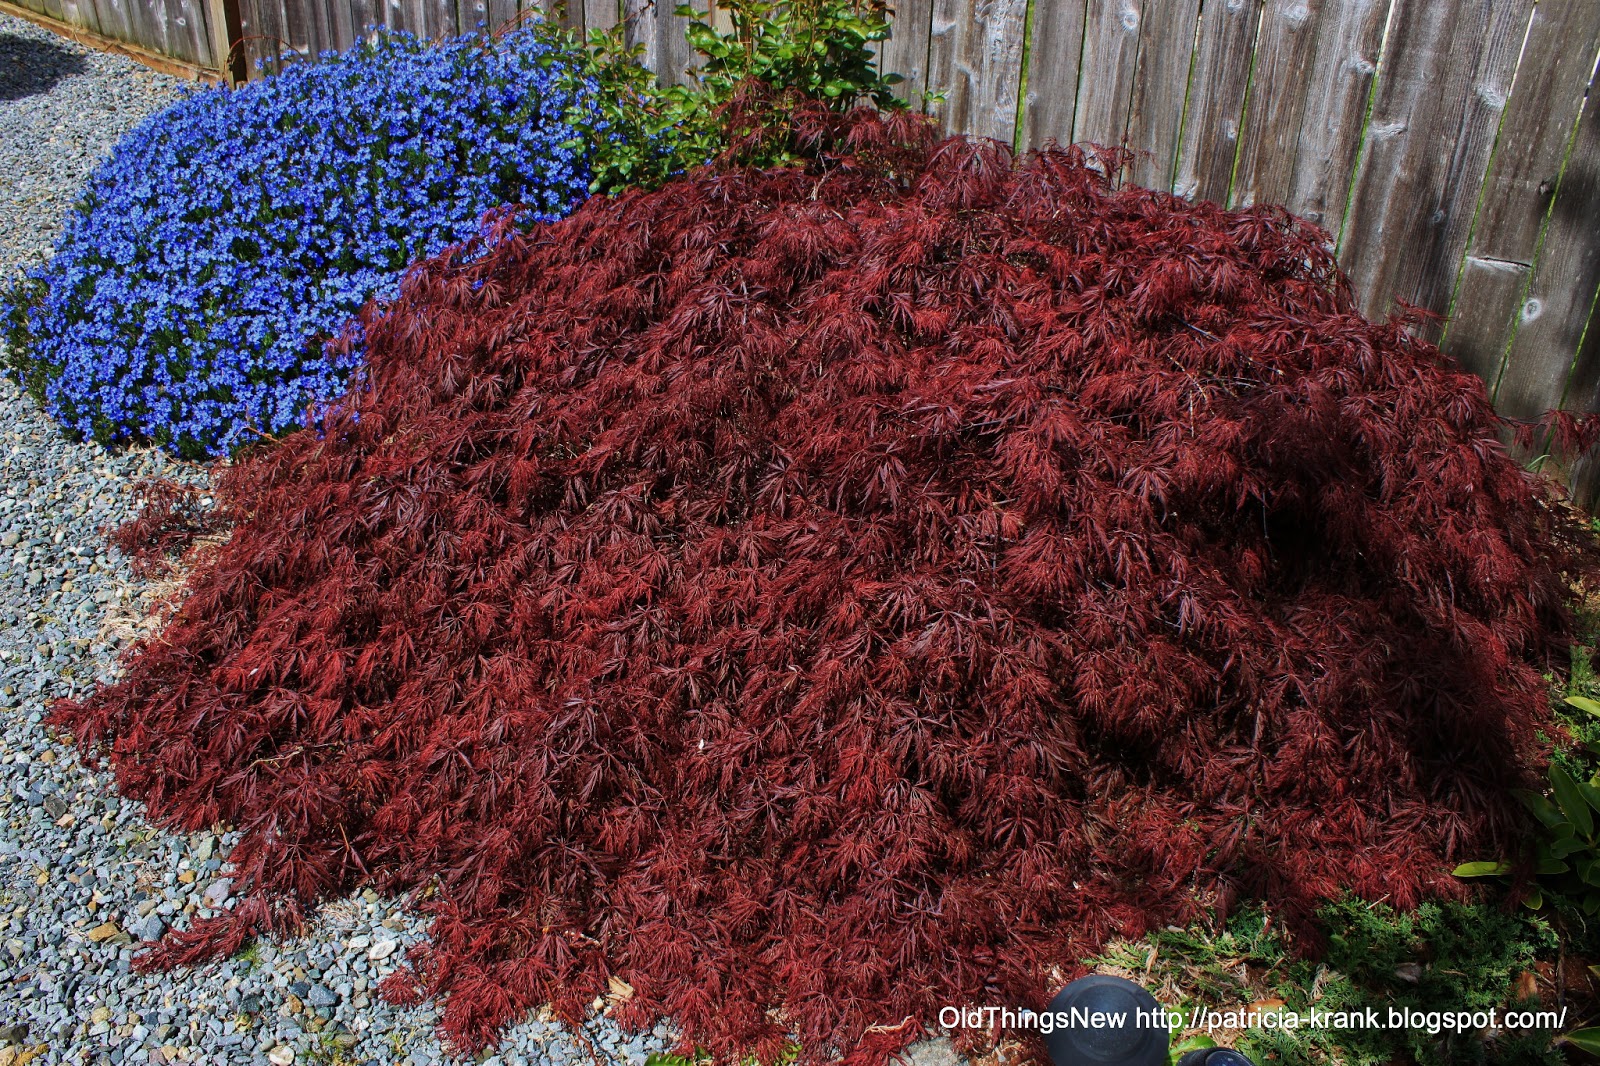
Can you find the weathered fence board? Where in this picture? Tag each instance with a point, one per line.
(975, 52)
(363, 14)
(442, 14)
(653, 24)
(1539, 369)
(1428, 137)
(1210, 142)
(143, 26)
(1054, 54)
(1467, 141)
(112, 18)
(500, 13)
(1160, 83)
(1281, 83)
(906, 51)
(1350, 37)
(148, 18)
(222, 23)
(299, 26)
(191, 34)
(1446, 72)
(565, 13)
(342, 24)
(600, 14)
(1546, 98)
(1111, 56)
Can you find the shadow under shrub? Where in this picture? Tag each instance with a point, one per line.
(852, 589)
(229, 237)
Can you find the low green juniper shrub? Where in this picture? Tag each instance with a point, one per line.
(1443, 956)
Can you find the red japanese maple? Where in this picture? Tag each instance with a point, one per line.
(853, 589)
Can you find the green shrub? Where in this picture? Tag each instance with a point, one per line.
(1564, 855)
(780, 55)
(1441, 957)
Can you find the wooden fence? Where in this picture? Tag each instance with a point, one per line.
(1451, 148)
(183, 37)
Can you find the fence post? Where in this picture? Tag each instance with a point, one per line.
(225, 35)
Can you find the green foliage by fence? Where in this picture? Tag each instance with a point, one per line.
(779, 55)
(1563, 866)
(1566, 860)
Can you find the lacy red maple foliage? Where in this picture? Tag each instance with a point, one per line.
(173, 516)
(820, 595)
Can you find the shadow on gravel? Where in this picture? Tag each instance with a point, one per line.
(29, 66)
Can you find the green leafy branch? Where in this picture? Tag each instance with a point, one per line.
(1567, 857)
(790, 53)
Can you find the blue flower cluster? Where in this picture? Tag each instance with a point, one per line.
(227, 239)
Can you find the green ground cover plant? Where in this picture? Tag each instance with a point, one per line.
(1446, 956)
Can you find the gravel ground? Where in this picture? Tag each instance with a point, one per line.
(83, 877)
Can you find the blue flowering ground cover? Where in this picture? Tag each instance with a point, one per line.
(227, 239)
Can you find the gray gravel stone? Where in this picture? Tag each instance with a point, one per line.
(84, 878)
